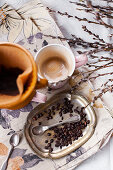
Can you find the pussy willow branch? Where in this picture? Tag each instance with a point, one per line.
(94, 6)
(80, 19)
(96, 66)
(110, 1)
(103, 91)
(104, 85)
(97, 46)
(103, 14)
(90, 33)
(108, 81)
(96, 69)
(97, 14)
(100, 75)
(101, 57)
(77, 41)
(99, 61)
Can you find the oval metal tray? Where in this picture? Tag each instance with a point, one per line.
(37, 142)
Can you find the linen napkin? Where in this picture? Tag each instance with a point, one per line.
(33, 38)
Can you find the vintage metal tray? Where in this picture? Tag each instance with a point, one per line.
(37, 142)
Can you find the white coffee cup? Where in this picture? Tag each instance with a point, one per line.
(56, 63)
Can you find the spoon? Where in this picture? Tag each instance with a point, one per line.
(14, 141)
(37, 130)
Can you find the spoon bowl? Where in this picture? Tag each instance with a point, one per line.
(15, 139)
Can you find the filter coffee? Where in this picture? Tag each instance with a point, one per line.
(8, 77)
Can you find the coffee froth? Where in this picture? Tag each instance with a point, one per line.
(54, 69)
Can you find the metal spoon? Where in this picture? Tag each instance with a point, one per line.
(37, 130)
(14, 141)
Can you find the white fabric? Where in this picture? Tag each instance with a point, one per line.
(102, 160)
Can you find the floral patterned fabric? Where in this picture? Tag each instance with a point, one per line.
(32, 27)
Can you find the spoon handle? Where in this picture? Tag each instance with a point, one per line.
(75, 118)
(4, 166)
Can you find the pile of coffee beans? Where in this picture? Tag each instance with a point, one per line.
(65, 134)
(69, 132)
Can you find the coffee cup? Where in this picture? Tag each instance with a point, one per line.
(56, 63)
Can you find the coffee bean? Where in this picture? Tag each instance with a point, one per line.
(56, 130)
(82, 122)
(58, 138)
(76, 137)
(70, 142)
(71, 115)
(41, 114)
(58, 104)
(34, 118)
(49, 111)
(66, 144)
(65, 99)
(49, 134)
(47, 118)
(53, 107)
(71, 111)
(50, 117)
(83, 115)
(82, 109)
(60, 114)
(38, 116)
(54, 136)
(51, 140)
(81, 135)
(53, 113)
(62, 118)
(60, 146)
(60, 121)
(71, 105)
(77, 108)
(57, 141)
(40, 123)
(88, 121)
(46, 141)
(46, 147)
(82, 126)
(57, 145)
(49, 144)
(57, 108)
(50, 150)
(49, 89)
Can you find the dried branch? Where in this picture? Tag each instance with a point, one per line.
(80, 19)
(93, 49)
(89, 4)
(100, 75)
(90, 33)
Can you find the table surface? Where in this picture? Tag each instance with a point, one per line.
(103, 159)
